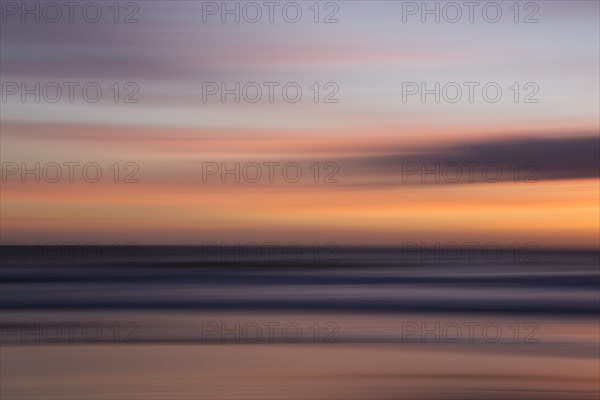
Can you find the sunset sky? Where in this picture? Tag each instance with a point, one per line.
(370, 134)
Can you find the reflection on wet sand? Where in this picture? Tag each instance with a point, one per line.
(290, 372)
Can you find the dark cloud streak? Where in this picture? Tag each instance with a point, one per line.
(555, 158)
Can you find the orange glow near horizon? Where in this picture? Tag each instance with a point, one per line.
(548, 213)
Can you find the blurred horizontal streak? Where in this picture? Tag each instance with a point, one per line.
(268, 372)
(337, 279)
